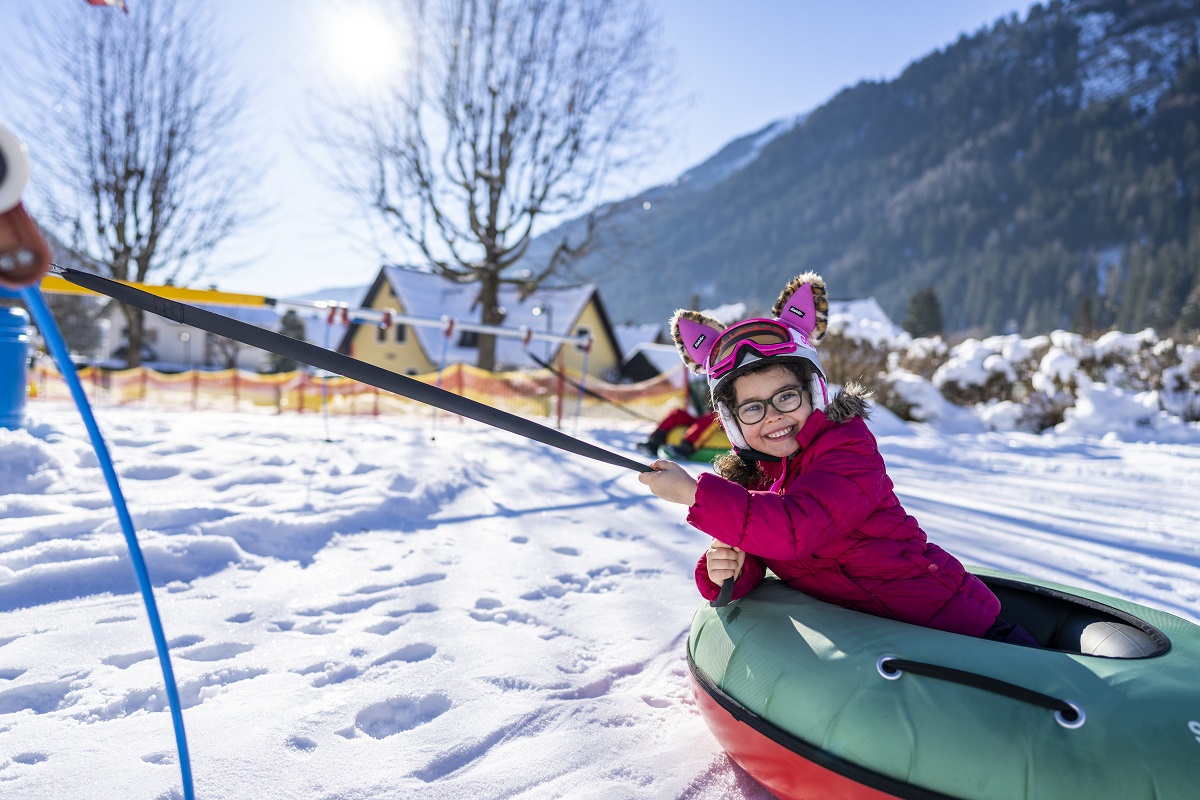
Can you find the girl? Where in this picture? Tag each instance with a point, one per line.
(804, 492)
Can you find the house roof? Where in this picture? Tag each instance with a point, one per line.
(425, 294)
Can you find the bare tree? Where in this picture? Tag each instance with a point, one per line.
(136, 129)
(509, 114)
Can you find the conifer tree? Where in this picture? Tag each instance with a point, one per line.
(290, 325)
(924, 316)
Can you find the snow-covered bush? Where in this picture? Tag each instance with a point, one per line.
(921, 356)
(850, 359)
(1179, 393)
(1033, 384)
(975, 373)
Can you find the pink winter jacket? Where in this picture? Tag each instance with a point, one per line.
(835, 530)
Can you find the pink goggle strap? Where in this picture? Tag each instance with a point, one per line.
(764, 350)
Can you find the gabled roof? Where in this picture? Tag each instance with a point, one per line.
(425, 294)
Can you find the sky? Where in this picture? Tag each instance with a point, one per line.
(738, 67)
(404, 607)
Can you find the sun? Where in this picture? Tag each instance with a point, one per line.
(362, 45)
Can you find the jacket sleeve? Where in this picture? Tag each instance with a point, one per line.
(752, 575)
(842, 481)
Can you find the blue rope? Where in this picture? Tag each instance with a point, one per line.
(58, 349)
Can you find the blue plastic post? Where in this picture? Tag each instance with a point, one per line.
(14, 366)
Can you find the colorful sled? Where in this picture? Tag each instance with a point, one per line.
(818, 701)
(712, 443)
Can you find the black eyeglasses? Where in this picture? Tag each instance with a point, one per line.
(783, 401)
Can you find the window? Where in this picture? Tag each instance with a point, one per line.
(401, 333)
(468, 339)
(380, 333)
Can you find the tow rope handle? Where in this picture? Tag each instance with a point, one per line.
(340, 364)
(726, 594)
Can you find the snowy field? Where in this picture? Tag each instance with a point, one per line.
(398, 608)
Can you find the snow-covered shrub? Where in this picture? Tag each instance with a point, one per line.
(911, 397)
(1004, 415)
(1134, 362)
(975, 373)
(1180, 390)
(851, 359)
(920, 356)
(1054, 386)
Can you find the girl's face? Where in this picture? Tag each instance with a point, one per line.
(775, 433)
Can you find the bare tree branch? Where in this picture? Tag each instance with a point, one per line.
(508, 118)
(138, 140)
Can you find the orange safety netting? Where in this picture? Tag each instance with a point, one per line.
(537, 393)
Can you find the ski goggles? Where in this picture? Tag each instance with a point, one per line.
(763, 337)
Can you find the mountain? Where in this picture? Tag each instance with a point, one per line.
(1039, 173)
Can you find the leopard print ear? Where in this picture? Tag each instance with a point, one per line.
(804, 305)
(694, 334)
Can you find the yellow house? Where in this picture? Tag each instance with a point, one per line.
(412, 349)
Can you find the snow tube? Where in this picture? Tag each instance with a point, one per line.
(818, 701)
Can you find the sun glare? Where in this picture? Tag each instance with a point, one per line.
(362, 46)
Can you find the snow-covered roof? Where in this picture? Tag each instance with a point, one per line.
(862, 318)
(425, 294)
(631, 336)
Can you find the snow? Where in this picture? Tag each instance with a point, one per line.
(411, 606)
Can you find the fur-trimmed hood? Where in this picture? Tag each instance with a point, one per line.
(852, 401)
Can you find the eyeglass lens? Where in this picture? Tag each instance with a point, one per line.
(783, 401)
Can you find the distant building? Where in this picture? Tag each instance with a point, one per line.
(420, 349)
(169, 346)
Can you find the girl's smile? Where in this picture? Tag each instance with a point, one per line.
(775, 433)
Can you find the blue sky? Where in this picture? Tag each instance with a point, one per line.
(738, 65)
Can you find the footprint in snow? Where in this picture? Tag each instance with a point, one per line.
(335, 674)
(30, 758)
(400, 714)
(488, 609)
(301, 743)
(164, 758)
(40, 698)
(127, 660)
(216, 652)
(410, 653)
(150, 472)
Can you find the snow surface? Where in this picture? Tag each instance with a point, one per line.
(419, 607)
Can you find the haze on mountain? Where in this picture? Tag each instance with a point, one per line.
(1040, 173)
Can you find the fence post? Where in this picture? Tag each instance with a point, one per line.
(558, 401)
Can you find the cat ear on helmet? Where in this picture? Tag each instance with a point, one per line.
(804, 305)
(694, 334)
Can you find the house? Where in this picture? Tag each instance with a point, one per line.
(415, 349)
(169, 346)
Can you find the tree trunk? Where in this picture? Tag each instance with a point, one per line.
(135, 337)
(490, 314)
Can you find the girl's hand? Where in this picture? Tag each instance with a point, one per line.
(723, 562)
(671, 482)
